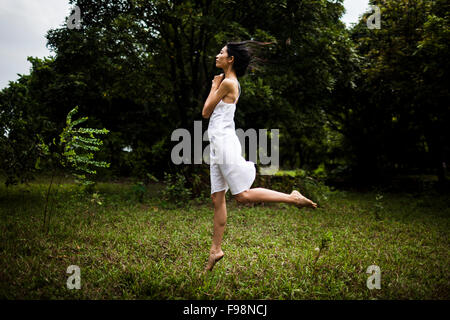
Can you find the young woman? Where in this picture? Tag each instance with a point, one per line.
(229, 170)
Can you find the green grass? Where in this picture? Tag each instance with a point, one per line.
(131, 250)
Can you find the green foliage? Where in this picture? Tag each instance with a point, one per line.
(162, 88)
(96, 198)
(326, 240)
(79, 145)
(393, 119)
(176, 192)
(198, 181)
(316, 189)
(139, 190)
(20, 139)
(378, 207)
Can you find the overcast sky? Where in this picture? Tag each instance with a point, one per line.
(24, 23)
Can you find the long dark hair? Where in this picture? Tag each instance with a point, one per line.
(246, 55)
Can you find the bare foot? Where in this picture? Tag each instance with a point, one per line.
(302, 201)
(213, 258)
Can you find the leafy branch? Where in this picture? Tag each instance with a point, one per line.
(79, 145)
(76, 153)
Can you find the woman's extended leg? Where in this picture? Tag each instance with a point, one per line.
(267, 195)
(220, 220)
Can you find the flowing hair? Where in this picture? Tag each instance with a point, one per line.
(246, 55)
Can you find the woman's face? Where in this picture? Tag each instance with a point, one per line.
(222, 59)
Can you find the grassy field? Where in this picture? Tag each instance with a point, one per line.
(131, 250)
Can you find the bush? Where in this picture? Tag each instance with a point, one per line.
(198, 180)
(176, 191)
(139, 190)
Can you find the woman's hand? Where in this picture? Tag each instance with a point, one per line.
(217, 80)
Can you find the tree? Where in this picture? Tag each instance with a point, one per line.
(394, 119)
(20, 128)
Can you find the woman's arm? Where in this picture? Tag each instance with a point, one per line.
(218, 91)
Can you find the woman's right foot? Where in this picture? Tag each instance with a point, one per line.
(213, 258)
(301, 201)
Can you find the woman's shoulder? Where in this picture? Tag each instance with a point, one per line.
(228, 85)
(229, 82)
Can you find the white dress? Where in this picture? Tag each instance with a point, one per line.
(229, 169)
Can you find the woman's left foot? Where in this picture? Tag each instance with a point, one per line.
(212, 260)
(302, 201)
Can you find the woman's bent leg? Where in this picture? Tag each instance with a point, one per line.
(267, 195)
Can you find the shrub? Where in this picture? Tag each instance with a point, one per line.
(139, 190)
(175, 192)
(198, 180)
(79, 145)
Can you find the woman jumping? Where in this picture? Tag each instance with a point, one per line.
(229, 170)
